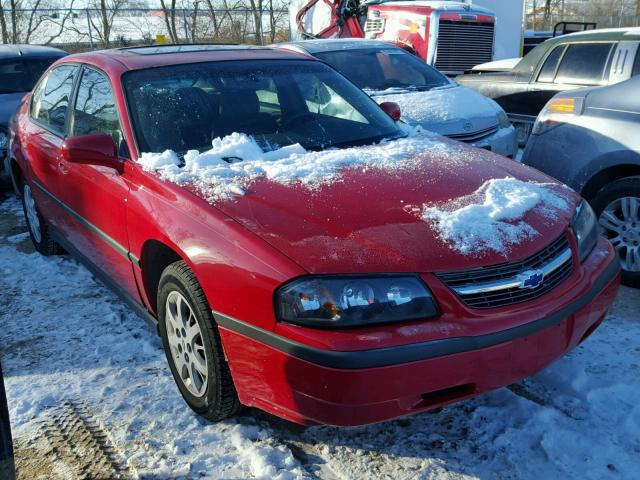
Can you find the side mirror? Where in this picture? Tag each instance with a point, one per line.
(96, 149)
(392, 109)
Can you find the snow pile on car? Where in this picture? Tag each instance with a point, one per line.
(236, 160)
(491, 218)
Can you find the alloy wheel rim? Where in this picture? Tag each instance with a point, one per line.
(620, 222)
(186, 344)
(32, 214)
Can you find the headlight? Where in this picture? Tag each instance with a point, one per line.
(556, 112)
(585, 227)
(4, 140)
(503, 119)
(354, 301)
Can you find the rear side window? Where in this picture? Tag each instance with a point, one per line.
(584, 64)
(95, 108)
(52, 97)
(548, 70)
(21, 75)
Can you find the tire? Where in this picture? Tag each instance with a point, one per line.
(193, 353)
(39, 231)
(617, 206)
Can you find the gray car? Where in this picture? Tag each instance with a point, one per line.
(426, 97)
(20, 69)
(590, 140)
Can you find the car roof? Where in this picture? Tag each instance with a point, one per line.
(137, 58)
(632, 33)
(334, 44)
(27, 51)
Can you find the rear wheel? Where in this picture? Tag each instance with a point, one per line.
(618, 208)
(192, 345)
(38, 228)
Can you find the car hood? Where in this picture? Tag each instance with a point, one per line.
(370, 219)
(452, 110)
(9, 102)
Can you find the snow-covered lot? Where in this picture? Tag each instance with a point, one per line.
(90, 395)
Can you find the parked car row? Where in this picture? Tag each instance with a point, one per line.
(297, 248)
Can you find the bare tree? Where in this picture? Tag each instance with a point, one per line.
(103, 25)
(170, 19)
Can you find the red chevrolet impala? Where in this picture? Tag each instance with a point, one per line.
(297, 249)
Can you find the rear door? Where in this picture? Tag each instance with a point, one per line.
(43, 135)
(96, 196)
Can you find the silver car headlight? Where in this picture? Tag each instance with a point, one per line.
(339, 301)
(503, 119)
(585, 227)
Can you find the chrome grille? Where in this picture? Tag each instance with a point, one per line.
(474, 136)
(479, 287)
(463, 45)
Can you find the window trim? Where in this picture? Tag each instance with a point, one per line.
(564, 47)
(62, 135)
(603, 81)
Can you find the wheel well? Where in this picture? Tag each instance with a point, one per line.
(156, 256)
(611, 174)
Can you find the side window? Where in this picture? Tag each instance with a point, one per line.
(51, 99)
(636, 65)
(95, 108)
(548, 70)
(584, 64)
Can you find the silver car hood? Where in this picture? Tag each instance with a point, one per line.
(454, 110)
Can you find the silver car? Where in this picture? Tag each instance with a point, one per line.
(426, 97)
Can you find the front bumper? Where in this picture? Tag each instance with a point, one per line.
(310, 385)
(503, 142)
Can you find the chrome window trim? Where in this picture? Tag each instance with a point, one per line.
(513, 282)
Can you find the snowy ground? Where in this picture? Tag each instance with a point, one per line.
(90, 394)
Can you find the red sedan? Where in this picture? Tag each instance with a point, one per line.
(297, 249)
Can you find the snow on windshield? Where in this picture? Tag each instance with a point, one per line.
(235, 160)
(491, 218)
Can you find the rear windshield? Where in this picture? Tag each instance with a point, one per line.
(383, 69)
(279, 103)
(21, 75)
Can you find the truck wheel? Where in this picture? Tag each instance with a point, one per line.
(38, 228)
(618, 208)
(192, 345)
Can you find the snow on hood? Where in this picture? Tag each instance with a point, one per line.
(236, 160)
(492, 217)
(448, 111)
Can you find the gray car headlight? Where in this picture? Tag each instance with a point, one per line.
(503, 119)
(585, 227)
(354, 300)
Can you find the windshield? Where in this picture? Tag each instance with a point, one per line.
(384, 69)
(279, 103)
(17, 76)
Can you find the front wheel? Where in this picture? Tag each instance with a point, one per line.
(192, 345)
(618, 208)
(38, 228)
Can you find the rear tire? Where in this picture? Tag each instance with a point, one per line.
(192, 345)
(617, 206)
(38, 229)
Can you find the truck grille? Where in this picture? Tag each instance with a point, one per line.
(557, 253)
(463, 45)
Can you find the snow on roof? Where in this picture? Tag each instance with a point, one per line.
(492, 217)
(235, 160)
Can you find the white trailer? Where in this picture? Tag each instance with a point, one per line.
(509, 26)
